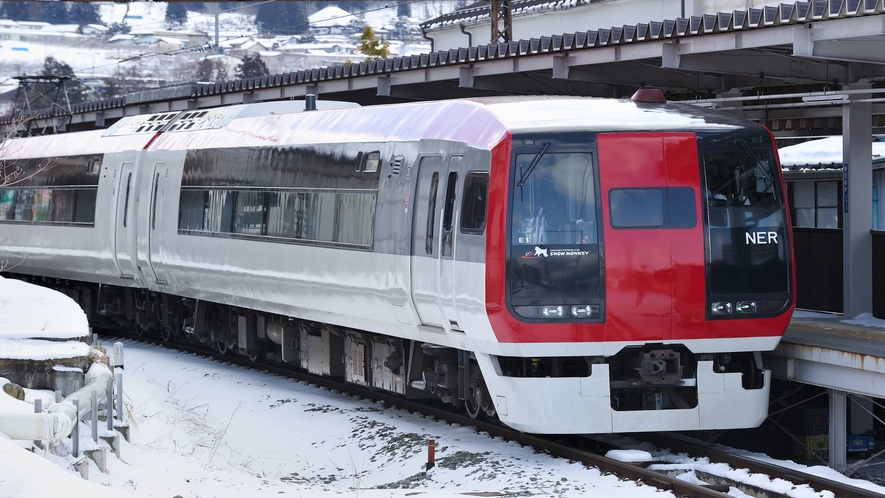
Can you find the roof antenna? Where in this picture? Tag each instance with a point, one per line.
(310, 102)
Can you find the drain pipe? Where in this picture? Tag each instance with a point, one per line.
(59, 421)
(424, 35)
(469, 35)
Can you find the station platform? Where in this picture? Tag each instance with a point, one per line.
(845, 356)
(833, 352)
(864, 335)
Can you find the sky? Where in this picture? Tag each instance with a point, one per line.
(201, 428)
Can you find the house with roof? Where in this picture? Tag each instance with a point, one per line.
(334, 21)
(813, 171)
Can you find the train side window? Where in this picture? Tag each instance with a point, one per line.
(668, 207)
(63, 202)
(7, 204)
(191, 210)
(473, 207)
(24, 205)
(221, 210)
(373, 161)
(250, 213)
(359, 161)
(93, 167)
(431, 213)
(84, 207)
(636, 208)
(449, 213)
(355, 213)
(682, 211)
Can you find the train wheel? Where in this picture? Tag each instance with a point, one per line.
(222, 347)
(258, 356)
(166, 334)
(473, 401)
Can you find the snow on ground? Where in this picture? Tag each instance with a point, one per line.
(203, 428)
(39, 324)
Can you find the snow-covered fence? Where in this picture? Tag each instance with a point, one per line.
(60, 419)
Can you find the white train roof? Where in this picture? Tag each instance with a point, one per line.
(481, 122)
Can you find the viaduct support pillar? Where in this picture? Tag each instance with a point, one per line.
(857, 205)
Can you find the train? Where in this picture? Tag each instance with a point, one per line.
(567, 265)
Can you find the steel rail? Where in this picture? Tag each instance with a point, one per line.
(678, 443)
(680, 488)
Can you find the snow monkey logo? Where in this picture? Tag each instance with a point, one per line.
(539, 252)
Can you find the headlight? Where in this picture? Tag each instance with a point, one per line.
(552, 311)
(745, 306)
(721, 308)
(559, 311)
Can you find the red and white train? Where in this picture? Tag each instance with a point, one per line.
(568, 265)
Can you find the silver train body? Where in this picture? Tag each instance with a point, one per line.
(313, 235)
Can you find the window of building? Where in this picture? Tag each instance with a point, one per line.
(816, 204)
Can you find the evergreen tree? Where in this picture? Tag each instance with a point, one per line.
(281, 18)
(200, 7)
(211, 70)
(176, 13)
(53, 67)
(371, 46)
(118, 28)
(404, 10)
(251, 67)
(55, 12)
(16, 11)
(84, 13)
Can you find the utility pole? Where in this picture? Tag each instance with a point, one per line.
(502, 21)
(217, 44)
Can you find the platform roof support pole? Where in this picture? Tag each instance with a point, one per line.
(857, 207)
(838, 436)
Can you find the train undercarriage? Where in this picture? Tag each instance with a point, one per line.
(648, 378)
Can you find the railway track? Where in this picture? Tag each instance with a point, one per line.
(570, 448)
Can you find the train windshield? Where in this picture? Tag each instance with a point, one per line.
(554, 252)
(746, 215)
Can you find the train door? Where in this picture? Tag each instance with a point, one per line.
(648, 183)
(449, 214)
(155, 218)
(124, 225)
(426, 232)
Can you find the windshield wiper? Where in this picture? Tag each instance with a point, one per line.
(525, 176)
(758, 165)
(535, 161)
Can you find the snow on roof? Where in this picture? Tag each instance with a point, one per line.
(331, 16)
(119, 37)
(62, 28)
(822, 152)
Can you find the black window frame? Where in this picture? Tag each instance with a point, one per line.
(673, 200)
(469, 211)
